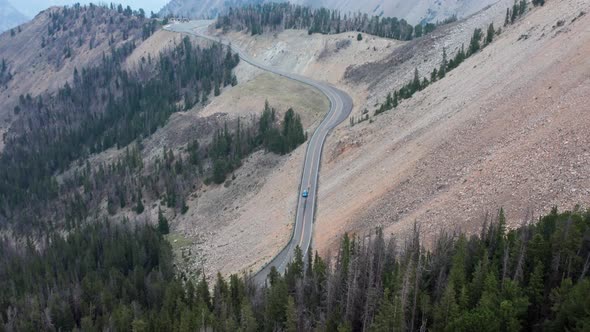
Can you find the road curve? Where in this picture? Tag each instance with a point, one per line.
(340, 108)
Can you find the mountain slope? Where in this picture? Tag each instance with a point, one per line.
(504, 129)
(43, 54)
(413, 11)
(9, 16)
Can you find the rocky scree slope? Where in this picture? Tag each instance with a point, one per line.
(508, 128)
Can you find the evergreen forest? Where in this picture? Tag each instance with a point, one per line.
(276, 17)
(116, 276)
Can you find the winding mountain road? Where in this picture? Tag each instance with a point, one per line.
(340, 108)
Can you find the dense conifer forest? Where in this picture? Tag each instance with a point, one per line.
(109, 275)
(257, 19)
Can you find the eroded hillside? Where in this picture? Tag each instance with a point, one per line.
(504, 129)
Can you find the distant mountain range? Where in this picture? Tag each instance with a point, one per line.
(414, 11)
(9, 16)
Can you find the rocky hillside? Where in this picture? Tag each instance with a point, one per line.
(506, 128)
(10, 17)
(413, 11)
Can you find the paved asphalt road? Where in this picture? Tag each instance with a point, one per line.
(340, 108)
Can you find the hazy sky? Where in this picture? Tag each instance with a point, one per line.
(32, 7)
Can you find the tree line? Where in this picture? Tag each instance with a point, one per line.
(519, 9)
(127, 183)
(71, 28)
(273, 17)
(116, 276)
(478, 41)
(227, 150)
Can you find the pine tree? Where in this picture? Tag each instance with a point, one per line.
(203, 296)
(523, 7)
(491, 33)
(416, 82)
(217, 91)
(247, 319)
(475, 45)
(442, 72)
(515, 12)
(571, 303)
(163, 227)
(183, 206)
(219, 171)
(140, 208)
(535, 291)
(385, 319)
(291, 314)
(418, 31)
(389, 101)
(447, 309)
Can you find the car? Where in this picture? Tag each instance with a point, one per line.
(305, 193)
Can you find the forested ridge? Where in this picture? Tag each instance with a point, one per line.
(72, 30)
(103, 105)
(259, 18)
(109, 275)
